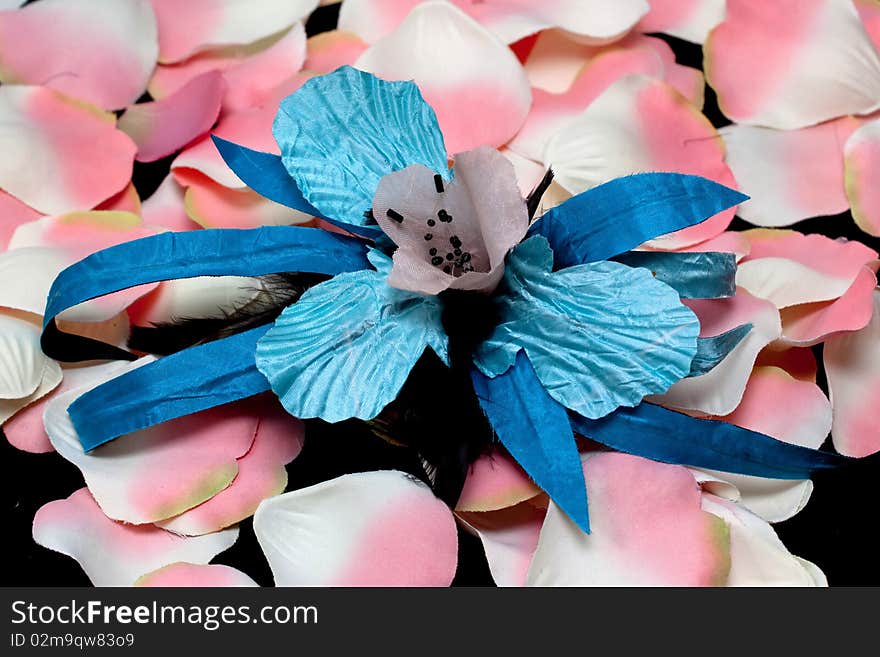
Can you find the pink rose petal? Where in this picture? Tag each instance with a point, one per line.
(13, 213)
(328, 51)
(862, 162)
(166, 207)
(191, 575)
(691, 20)
(495, 481)
(797, 361)
(100, 51)
(128, 200)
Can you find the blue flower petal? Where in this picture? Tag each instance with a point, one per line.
(711, 351)
(600, 336)
(622, 214)
(536, 431)
(693, 275)
(346, 347)
(341, 132)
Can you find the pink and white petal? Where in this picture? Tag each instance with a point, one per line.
(852, 363)
(528, 172)
(789, 268)
(99, 51)
(720, 391)
(212, 205)
(161, 471)
(477, 70)
(34, 438)
(691, 20)
(185, 29)
(710, 483)
(869, 12)
(495, 481)
(726, 242)
(13, 213)
(636, 125)
(203, 296)
(689, 82)
(509, 537)
(128, 200)
(22, 363)
(79, 234)
(166, 207)
(792, 63)
(190, 575)
(647, 529)
(757, 556)
(251, 72)
(790, 175)
(810, 323)
(37, 265)
(799, 362)
(327, 51)
(161, 127)
(60, 154)
(862, 170)
(372, 20)
(115, 553)
(6, 5)
(555, 60)
(261, 475)
(367, 529)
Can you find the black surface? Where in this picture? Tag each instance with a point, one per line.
(836, 530)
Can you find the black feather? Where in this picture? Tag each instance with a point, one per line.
(534, 199)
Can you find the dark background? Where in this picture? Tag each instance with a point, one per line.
(836, 530)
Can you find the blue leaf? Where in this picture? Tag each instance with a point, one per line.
(599, 336)
(168, 256)
(692, 275)
(536, 431)
(189, 381)
(265, 174)
(341, 132)
(346, 347)
(711, 351)
(663, 435)
(622, 214)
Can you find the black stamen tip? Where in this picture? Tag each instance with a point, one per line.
(433, 252)
(428, 237)
(438, 183)
(436, 261)
(395, 216)
(455, 241)
(447, 269)
(449, 256)
(431, 223)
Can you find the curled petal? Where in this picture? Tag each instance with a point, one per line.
(495, 481)
(368, 529)
(862, 170)
(691, 20)
(212, 205)
(115, 553)
(22, 363)
(191, 575)
(792, 63)
(100, 51)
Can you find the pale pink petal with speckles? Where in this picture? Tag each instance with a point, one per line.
(639, 124)
(862, 177)
(100, 51)
(60, 154)
(691, 20)
(757, 556)
(368, 529)
(719, 391)
(789, 175)
(77, 235)
(166, 207)
(852, 363)
(810, 323)
(647, 529)
(327, 51)
(251, 72)
(190, 575)
(790, 268)
(212, 205)
(509, 537)
(161, 127)
(115, 553)
(13, 213)
(495, 481)
(805, 422)
(792, 63)
(195, 25)
(161, 471)
(261, 475)
(478, 73)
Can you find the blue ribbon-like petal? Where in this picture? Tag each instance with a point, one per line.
(711, 351)
(618, 216)
(693, 275)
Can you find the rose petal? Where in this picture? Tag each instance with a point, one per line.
(100, 51)
(852, 363)
(726, 242)
(128, 200)
(639, 125)
(720, 391)
(869, 12)
(328, 51)
(647, 530)
(161, 471)
(166, 207)
(789, 175)
(261, 475)
(13, 213)
(476, 67)
(60, 154)
(792, 63)
(37, 265)
(185, 29)
(161, 127)
(495, 481)
(114, 553)
(22, 363)
(797, 361)
(691, 20)
(368, 529)
(190, 575)
(862, 169)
